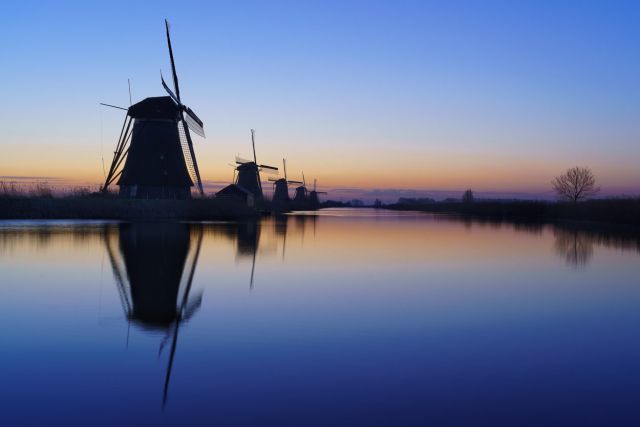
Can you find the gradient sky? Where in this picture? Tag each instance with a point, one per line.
(496, 96)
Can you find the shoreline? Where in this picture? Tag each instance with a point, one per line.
(113, 208)
(619, 213)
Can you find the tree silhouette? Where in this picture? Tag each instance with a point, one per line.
(575, 184)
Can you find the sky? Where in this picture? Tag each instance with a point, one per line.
(497, 96)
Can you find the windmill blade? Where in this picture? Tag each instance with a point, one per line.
(241, 161)
(269, 170)
(173, 64)
(194, 123)
(272, 179)
(169, 91)
(189, 154)
(253, 144)
(295, 182)
(193, 116)
(284, 165)
(114, 106)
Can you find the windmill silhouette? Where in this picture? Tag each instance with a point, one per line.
(301, 197)
(281, 199)
(154, 156)
(248, 172)
(314, 200)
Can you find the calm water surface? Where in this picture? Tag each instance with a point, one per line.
(346, 318)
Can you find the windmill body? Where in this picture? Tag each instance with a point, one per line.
(248, 177)
(154, 166)
(281, 201)
(314, 199)
(301, 195)
(281, 192)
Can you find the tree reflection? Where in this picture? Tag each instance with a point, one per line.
(575, 247)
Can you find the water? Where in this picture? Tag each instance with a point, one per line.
(346, 318)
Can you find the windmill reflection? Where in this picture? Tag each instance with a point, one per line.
(280, 228)
(153, 266)
(247, 238)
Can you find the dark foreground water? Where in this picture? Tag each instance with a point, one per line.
(349, 318)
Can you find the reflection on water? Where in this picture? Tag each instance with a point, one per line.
(153, 270)
(574, 243)
(359, 317)
(575, 247)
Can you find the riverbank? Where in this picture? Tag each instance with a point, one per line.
(114, 208)
(619, 211)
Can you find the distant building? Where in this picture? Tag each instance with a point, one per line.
(237, 192)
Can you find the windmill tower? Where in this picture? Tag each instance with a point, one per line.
(314, 201)
(154, 157)
(248, 176)
(281, 197)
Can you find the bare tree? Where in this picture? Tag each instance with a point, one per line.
(575, 184)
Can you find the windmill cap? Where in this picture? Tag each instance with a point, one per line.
(159, 107)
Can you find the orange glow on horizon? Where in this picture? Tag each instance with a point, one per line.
(379, 170)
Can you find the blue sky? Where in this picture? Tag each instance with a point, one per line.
(425, 95)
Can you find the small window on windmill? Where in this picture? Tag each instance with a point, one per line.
(161, 156)
(165, 172)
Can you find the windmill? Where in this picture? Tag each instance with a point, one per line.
(281, 198)
(301, 197)
(314, 201)
(154, 156)
(248, 176)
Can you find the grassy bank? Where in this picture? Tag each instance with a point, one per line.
(622, 211)
(113, 208)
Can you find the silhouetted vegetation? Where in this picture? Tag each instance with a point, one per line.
(355, 203)
(39, 203)
(623, 211)
(575, 184)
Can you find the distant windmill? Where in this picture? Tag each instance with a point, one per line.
(301, 197)
(248, 176)
(314, 201)
(281, 189)
(154, 157)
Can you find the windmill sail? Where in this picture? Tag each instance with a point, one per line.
(186, 142)
(169, 91)
(173, 64)
(241, 160)
(194, 123)
(189, 156)
(269, 170)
